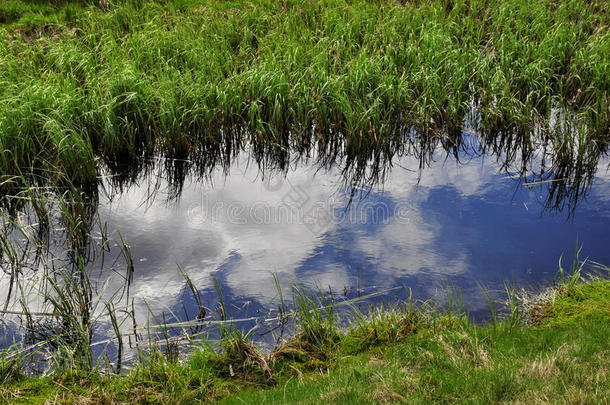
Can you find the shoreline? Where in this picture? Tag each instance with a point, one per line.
(546, 349)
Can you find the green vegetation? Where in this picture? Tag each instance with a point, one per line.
(87, 86)
(557, 351)
(82, 84)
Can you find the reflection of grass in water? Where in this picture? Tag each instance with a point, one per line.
(72, 307)
(48, 253)
(194, 81)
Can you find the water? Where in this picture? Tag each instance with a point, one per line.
(457, 223)
(465, 219)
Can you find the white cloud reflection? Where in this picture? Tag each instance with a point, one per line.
(244, 252)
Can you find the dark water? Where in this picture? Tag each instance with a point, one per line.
(461, 219)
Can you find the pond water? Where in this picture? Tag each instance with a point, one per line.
(458, 223)
(463, 219)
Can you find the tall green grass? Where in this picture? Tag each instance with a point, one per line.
(191, 79)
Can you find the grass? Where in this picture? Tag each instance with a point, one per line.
(408, 354)
(82, 85)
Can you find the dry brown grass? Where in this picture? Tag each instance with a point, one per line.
(465, 349)
(297, 350)
(542, 368)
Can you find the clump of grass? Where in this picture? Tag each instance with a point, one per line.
(71, 299)
(567, 281)
(316, 319)
(11, 367)
(157, 379)
(567, 284)
(386, 325)
(244, 359)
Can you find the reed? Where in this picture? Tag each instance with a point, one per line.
(50, 289)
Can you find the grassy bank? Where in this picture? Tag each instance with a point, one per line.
(556, 351)
(80, 84)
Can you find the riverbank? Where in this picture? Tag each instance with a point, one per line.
(552, 350)
(82, 84)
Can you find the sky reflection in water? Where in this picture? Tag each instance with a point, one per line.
(456, 223)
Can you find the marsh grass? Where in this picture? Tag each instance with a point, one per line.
(541, 308)
(316, 318)
(385, 325)
(11, 366)
(58, 335)
(51, 293)
(85, 88)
